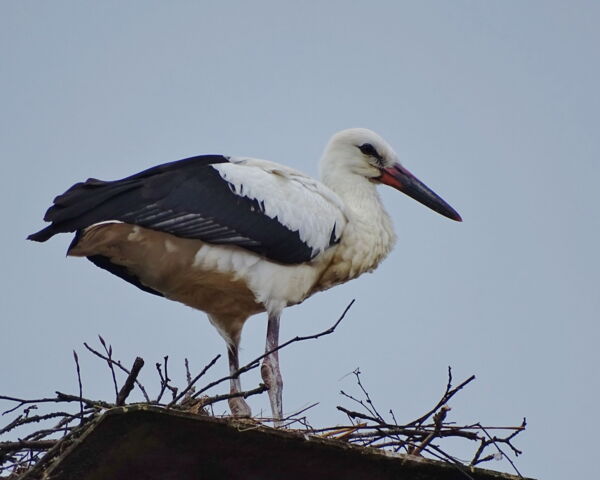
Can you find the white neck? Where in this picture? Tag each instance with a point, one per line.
(368, 237)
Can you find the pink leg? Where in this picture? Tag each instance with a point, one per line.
(270, 372)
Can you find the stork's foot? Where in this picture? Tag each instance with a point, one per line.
(239, 408)
(271, 375)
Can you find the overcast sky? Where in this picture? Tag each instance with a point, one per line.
(494, 105)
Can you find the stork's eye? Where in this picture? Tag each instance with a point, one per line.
(368, 149)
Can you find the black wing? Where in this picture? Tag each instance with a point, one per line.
(187, 198)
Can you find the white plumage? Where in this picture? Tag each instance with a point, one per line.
(238, 236)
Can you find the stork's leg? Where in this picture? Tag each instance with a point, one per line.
(238, 406)
(231, 329)
(270, 369)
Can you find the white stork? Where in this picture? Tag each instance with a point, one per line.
(235, 236)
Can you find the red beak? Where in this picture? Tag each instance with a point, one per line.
(401, 179)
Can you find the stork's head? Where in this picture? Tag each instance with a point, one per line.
(361, 152)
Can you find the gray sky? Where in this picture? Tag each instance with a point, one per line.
(493, 104)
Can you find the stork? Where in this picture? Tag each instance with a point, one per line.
(236, 236)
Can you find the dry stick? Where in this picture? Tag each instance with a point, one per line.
(44, 433)
(217, 398)
(302, 410)
(75, 356)
(166, 385)
(438, 420)
(109, 360)
(66, 397)
(164, 381)
(254, 363)
(14, 424)
(21, 444)
(20, 420)
(130, 381)
(447, 396)
(191, 383)
(60, 397)
(61, 426)
(476, 458)
(361, 403)
(118, 364)
(188, 377)
(173, 390)
(494, 441)
(507, 440)
(364, 433)
(362, 416)
(374, 410)
(403, 445)
(22, 402)
(303, 421)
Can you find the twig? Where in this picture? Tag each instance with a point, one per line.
(353, 414)
(494, 441)
(60, 397)
(188, 377)
(118, 364)
(190, 384)
(164, 381)
(218, 398)
(110, 362)
(372, 408)
(438, 420)
(448, 394)
(75, 356)
(254, 363)
(130, 381)
(20, 420)
(31, 444)
(302, 410)
(65, 397)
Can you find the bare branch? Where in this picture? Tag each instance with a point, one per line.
(248, 393)
(32, 445)
(438, 420)
(254, 363)
(111, 362)
(130, 381)
(191, 384)
(448, 394)
(76, 357)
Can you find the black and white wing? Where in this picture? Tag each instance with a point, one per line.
(257, 205)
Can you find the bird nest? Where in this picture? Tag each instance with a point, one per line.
(42, 428)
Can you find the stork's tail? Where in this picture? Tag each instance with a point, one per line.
(81, 206)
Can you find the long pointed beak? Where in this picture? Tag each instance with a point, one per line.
(401, 179)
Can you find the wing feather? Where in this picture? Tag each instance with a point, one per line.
(286, 217)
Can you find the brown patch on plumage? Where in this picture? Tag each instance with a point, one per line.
(165, 263)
